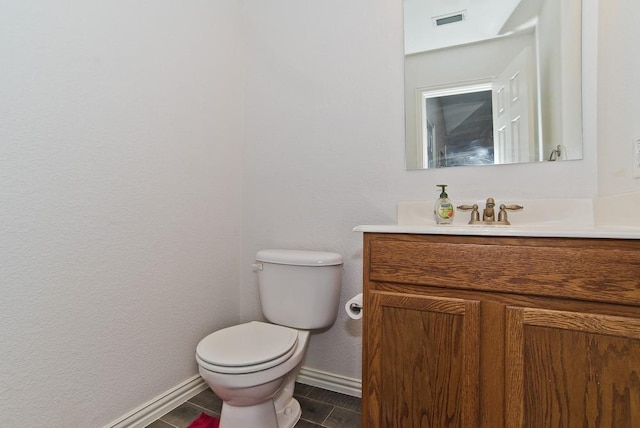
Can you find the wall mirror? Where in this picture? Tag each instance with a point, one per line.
(492, 82)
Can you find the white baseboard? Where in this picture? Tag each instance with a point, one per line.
(162, 404)
(330, 381)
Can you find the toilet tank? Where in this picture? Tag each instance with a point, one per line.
(299, 289)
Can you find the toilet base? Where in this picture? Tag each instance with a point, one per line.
(261, 415)
(289, 415)
(258, 415)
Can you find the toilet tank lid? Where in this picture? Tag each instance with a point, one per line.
(299, 257)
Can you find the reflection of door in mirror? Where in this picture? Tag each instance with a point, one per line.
(514, 115)
(481, 124)
(429, 157)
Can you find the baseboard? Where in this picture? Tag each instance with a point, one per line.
(162, 404)
(330, 381)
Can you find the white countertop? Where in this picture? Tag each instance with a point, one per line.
(558, 231)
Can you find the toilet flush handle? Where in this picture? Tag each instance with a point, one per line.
(256, 266)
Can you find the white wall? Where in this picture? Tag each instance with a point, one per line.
(559, 29)
(323, 141)
(618, 96)
(120, 144)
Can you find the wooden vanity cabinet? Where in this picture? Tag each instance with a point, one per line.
(470, 331)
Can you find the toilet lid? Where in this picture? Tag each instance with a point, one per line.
(246, 344)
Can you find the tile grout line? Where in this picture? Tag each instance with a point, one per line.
(204, 408)
(168, 423)
(328, 416)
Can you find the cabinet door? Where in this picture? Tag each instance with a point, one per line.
(571, 369)
(422, 359)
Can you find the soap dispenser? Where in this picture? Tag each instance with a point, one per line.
(443, 210)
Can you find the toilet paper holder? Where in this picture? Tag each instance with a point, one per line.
(355, 308)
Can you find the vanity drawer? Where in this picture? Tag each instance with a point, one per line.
(601, 270)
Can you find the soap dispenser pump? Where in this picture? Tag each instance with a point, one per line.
(443, 210)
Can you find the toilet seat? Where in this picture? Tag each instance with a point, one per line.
(246, 348)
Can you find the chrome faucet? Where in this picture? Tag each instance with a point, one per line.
(489, 213)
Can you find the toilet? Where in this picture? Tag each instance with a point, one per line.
(252, 367)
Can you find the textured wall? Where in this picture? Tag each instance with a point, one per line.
(120, 142)
(618, 96)
(324, 115)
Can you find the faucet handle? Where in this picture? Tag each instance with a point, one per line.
(512, 207)
(502, 215)
(468, 207)
(475, 214)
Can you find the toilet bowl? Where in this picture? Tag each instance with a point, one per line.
(252, 367)
(257, 387)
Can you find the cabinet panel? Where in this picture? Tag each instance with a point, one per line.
(571, 369)
(423, 361)
(585, 269)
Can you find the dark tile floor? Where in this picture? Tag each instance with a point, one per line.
(320, 408)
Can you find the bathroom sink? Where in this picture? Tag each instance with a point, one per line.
(536, 213)
(540, 217)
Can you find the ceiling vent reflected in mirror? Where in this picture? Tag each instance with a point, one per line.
(450, 18)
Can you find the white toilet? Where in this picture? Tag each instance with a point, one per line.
(253, 366)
